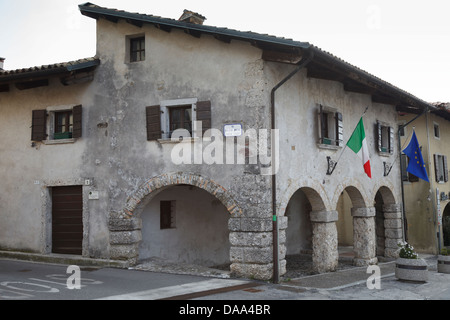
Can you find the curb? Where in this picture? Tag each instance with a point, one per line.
(63, 259)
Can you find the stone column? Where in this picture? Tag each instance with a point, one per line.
(324, 241)
(251, 251)
(393, 229)
(364, 237)
(125, 236)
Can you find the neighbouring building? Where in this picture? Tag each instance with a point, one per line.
(427, 203)
(90, 167)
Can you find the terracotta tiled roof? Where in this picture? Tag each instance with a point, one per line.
(51, 68)
(322, 60)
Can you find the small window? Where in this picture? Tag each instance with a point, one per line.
(440, 168)
(330, 127)
(180, 118)
(385, 138)
(407, 176)
(437, 133)
(63, 125)
(137, 49)
(402, 129)
(167, 214)
(189, 114)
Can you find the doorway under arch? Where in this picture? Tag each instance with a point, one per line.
(356, 228)
(299, 232)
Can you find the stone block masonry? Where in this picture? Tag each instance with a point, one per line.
(393, 229)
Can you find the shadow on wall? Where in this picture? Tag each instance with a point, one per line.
(185, 224)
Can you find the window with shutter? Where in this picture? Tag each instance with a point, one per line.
(407, 176)
(153, 116)
(170, 115)
(39, 125)
(385, 138)
(440, 168)
(331, 128)
(55, 125)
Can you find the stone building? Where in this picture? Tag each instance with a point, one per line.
(90, 165)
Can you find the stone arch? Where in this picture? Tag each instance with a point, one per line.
(321, 226)
(359, 200)
(386, 191)
(313, 191)
(140, 198)
(302, 203)
(125, 226)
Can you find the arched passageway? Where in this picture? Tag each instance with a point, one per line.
(356, 227)
(179, 216)
(185, 224)
(311, 236)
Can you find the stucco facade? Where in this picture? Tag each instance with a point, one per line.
(426, 203)
(224, 210)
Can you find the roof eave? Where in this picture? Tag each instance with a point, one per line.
(401, 99)
(49, 71)
(95, 12)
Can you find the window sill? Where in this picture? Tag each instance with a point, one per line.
(384, 154)
(328, 147)
(183, 140)
(59, 141)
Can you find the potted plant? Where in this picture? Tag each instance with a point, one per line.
(443, 263)
(409, 266)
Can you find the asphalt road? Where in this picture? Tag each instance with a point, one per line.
(20, 280)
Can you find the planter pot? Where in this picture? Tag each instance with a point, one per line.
(411, 269)
(443, 264)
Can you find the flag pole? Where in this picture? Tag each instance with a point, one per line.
(401, 148)
(400, 127)
(334, 164)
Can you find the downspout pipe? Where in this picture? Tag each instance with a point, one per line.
(405, 224)
(276, 265)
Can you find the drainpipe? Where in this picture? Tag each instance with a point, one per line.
(405, 225)
(434, 194)
(276, 265)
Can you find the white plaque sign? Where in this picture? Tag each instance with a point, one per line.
(232, 130)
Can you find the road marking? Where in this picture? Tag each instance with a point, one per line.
(178, 290)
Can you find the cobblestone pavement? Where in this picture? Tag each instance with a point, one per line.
(297, 266)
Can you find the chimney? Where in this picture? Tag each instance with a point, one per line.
(1, 63)
(192, 17)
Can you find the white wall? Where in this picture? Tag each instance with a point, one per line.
(201, 233)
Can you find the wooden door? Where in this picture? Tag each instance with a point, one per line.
(67, 220)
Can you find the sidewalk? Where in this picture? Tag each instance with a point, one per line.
(349, 284)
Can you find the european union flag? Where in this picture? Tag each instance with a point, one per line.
(416, 164)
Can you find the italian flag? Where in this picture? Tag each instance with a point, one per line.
(358, 144)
